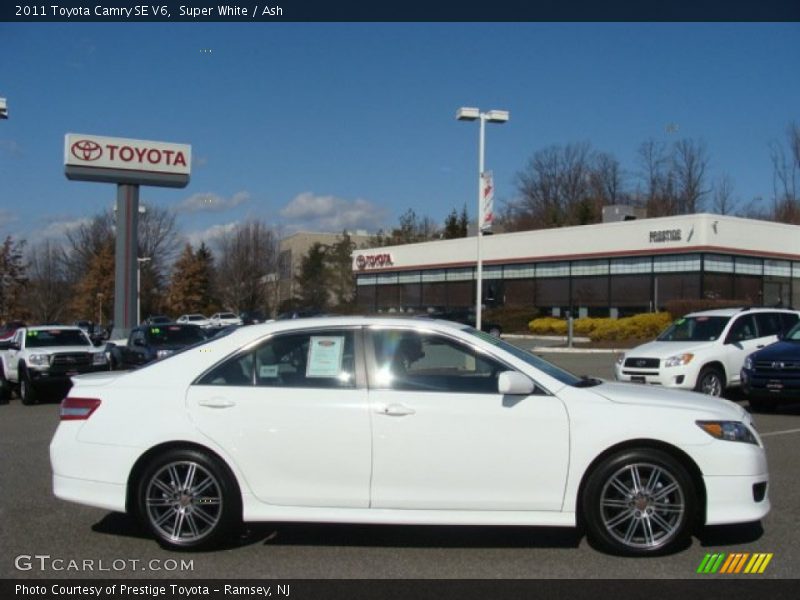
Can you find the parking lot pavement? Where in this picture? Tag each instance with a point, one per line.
(33, 522)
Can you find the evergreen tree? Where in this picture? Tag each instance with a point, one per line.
(12, 279)
(313, 278)
(96, 283)
(191, 285)
(339, 259)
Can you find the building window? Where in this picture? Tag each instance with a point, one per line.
(492, 272)
(366, 280)
(554, 269)
(718, 263)
(528, 271)
(673, 263)
(434, 275)
(778, 268)
(459, 275)
(625, 266)
(748, 266)
(589, 267)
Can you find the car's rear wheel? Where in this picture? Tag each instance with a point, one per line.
(711, 381)
(187, 499)
(639, 503)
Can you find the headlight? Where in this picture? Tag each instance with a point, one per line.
(620, 359)
(99, 358)
(678, 360)
(39, 360)
(748, 363)
(732, 431)
(163, 353)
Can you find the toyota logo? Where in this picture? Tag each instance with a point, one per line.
(86, 150)
(361, 261)
(641, 363)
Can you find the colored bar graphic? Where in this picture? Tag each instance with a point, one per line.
(734, 563)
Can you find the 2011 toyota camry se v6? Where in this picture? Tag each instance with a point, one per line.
(415, 421)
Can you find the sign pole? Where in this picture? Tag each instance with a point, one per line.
(125, 264)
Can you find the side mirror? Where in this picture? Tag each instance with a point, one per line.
(138, 342)
(781, 335)
(514, 384)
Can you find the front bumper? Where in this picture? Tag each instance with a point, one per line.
(682, 378)
(60, 376)
(761, 386)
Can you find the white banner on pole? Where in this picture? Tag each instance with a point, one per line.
(487, 201)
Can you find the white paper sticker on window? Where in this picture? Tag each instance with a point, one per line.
(268, 371)
(325, 356)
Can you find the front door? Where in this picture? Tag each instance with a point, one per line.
(443, 438)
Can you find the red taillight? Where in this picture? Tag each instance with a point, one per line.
(78, 409)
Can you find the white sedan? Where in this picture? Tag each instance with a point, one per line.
(224, 319)
(195, 319)
(384, 420)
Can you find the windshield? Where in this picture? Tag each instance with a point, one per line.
(44, 338)
(550, 369)
(174, 335)
(694, 329)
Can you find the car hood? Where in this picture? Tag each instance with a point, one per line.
(779, 350)
(60, 349)
(647, 395)
(666, 349)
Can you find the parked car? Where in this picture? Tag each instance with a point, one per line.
(223, 319)
(704, 351)
(467, 317)
(157, 320)
(252, 317)
(771, 376)
(194, 319)
(42, 359)
(147, 343)
(405, 421)
(8, 329)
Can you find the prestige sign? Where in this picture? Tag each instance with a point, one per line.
(121, 160)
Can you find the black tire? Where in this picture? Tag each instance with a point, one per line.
(656, 519)
(762, 405)
(711, 381)
(195, 512)
(5, 388)
(28, 393)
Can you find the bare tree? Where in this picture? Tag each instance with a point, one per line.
(247, 256)
(47, 285)
(723, 202)
(659, 197)
(689, 164)
(785, 169)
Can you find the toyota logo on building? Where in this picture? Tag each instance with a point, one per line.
(361, 261)
(86, 150)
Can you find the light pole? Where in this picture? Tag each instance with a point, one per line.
(492, 116)
(139, 261)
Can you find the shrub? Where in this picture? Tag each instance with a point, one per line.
(512, 319)
(643, 326)
(548, 326)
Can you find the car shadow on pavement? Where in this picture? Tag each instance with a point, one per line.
(730, 535)
(411, 536)
(337, 534)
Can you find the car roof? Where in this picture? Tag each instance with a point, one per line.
(729, 312)
(354, 321)
(54, 328)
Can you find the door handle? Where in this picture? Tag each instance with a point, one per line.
(396, 410)
(760, 346)
(216, 403)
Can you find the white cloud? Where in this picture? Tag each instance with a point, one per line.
(195, 238)
(57, 229)
(210, 202)
(328, 213)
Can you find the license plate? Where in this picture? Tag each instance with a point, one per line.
(637, 378)
(774, 386)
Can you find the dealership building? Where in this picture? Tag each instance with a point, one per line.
(607, 269)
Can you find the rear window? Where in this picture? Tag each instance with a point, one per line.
(174, 335)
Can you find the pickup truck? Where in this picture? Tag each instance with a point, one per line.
(44, 358)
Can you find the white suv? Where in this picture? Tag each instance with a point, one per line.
(704, 351)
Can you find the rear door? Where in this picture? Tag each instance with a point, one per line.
(293, 413)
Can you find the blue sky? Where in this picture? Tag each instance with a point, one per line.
(326, 126)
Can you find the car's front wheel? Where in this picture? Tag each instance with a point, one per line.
(187, 499)
(639, 503)
(711, 381)
(28, 394)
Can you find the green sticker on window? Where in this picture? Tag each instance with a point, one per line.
(33, 333)
(680, 321)
(155, 330)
